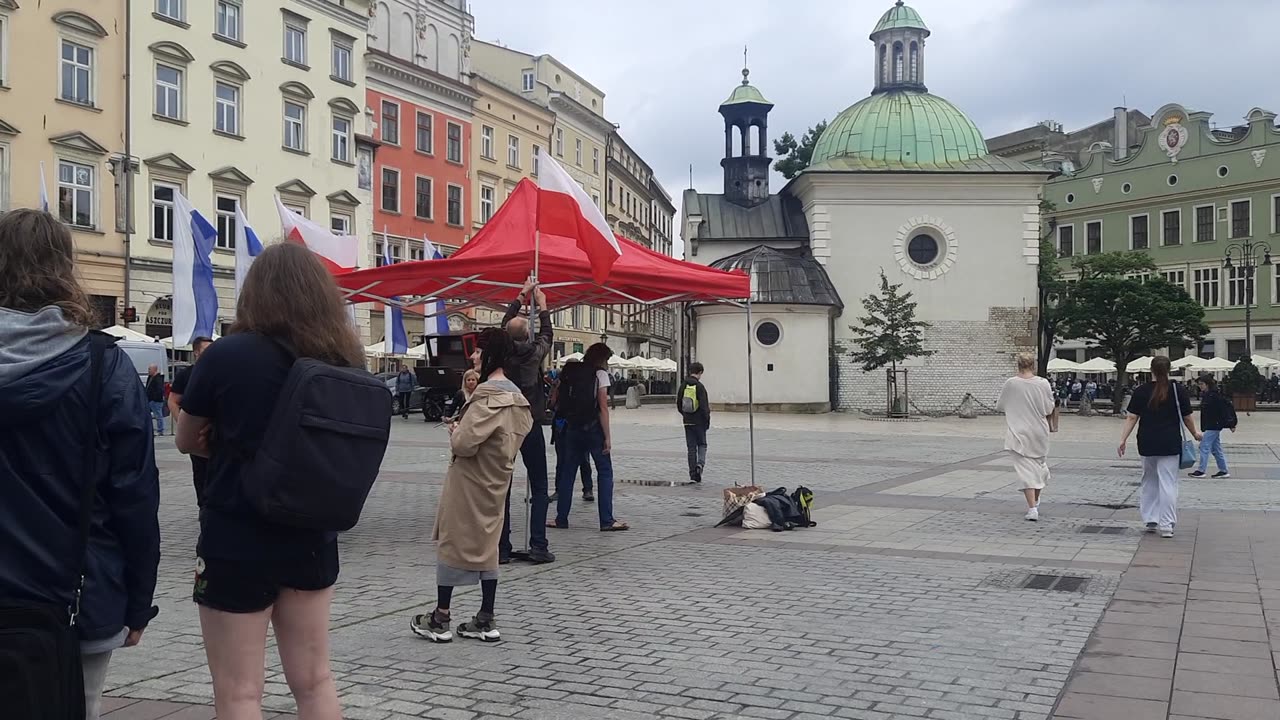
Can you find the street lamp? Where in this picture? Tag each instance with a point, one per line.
(1248, 256)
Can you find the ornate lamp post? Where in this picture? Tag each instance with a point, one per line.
(1248, 256)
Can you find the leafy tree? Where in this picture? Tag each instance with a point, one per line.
(889, 334)
(1125, 316)
(1244, 378)
(793, 155)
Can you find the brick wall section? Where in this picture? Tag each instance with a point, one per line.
(970, 357)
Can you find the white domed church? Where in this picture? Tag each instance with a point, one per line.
(900, 181)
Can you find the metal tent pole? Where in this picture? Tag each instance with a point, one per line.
(533, 330)
(751, 412)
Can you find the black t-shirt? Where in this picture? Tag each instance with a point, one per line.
(199, 465)
(155, 388)
(1158, 427)
(235, 385)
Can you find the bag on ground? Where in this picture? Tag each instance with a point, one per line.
(738, 496)
(755, 517)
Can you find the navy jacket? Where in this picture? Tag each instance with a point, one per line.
(43, 428)
(1216, 412)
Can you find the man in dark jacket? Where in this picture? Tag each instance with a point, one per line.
(695, 410)
(155, 397)
(404, 389)
(525, 370)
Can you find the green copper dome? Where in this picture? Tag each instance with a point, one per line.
(900, 16)
(746, 93)
(899, 130)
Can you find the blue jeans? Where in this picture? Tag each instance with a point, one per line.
(576, 444)
(157, 414)
(1212, 443)
(534, 454)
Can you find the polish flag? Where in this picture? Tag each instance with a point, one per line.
(565, 209)
(339, 253)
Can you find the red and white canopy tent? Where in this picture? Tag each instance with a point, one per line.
(492, 267)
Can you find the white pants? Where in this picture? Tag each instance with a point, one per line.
(1158, 495)
(95, 677)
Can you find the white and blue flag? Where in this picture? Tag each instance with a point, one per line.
(439, 318)
(44, 191)
(397, 342)
(248, 247)
(195, 303)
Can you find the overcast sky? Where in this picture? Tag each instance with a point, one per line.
(665, 65)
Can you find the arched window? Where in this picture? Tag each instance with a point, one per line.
(757, 139)
(897, 62)
(884, 63)
(735, 133)
(915, 62)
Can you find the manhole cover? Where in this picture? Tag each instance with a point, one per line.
(1059, 583)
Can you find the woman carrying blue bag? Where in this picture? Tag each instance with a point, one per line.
(1161, 411)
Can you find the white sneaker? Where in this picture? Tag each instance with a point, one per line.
(1033, 514)
(1151, 528)
(1166, 532)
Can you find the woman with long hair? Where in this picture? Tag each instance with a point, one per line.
(251, 573)
(1216, 414)
(1159, 409)
(50, 436)
(586, 432)
(1027, 401)
(469, 517)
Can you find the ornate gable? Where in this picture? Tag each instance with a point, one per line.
(80, 22)
(295, 187)
(342, 197)
(231, 175)
(6, 128)
(78, 141)
(169, 162)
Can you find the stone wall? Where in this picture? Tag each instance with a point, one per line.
(973, 357)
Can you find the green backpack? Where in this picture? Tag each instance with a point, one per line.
(689, 399)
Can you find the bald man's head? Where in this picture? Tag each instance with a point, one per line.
(518, 328)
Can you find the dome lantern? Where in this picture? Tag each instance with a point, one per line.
(899, 46)
(746, 166)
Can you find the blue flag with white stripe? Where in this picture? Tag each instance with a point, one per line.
(394, 337)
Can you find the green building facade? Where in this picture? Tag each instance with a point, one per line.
(1186, 193)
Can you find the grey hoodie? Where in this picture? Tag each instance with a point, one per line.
(29, 340)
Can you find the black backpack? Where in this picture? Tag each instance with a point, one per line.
(40, 673)
(577, 400)
(322, 448)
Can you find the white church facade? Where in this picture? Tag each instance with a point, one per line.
(900, 181)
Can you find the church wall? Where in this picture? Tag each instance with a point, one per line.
(792, 374)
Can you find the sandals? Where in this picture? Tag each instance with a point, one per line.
(617, 526)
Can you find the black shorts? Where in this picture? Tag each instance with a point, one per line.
(236, 586)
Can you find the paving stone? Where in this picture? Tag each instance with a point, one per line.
(1226, 665)
(1103, 707)
(1222, 707)
(1128, 686)
(1257, 686)
(1235, 648)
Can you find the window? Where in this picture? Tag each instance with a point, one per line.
(513, 151)
(1264, 342)
(225, 206)
(162, 210)
(537, 156)
(390, 190)
(1204, 286)
(609, 188)
(486, 203)
(1171, 224)
(75, 194)
(1138, 239)
(341, 55)
(453, 143)
(417, 253)
(341, 139)
(922, 249)
(171, 9)
(559, 142)
(486, 142)
(595, 198)
(1275, 214)
(424, 139)
(226, 108)
(1093, 237)
(595, 160)
(295, 126)
(1239, 286)
(77, 73)
(526, 80)
(455, 205)
(1241, 222)
(1066, 241)
(1204, 223)
(227, 19)
(390, 123)
(341, 225)
(168, 92)
(1175, 277)
(768, 333)
(422, 198)
(295, 43)
(4, 46)
(577, 152)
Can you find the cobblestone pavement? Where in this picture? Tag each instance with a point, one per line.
(905, 602)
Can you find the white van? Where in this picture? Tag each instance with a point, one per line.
(144, 355)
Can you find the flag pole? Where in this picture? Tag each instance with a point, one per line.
(751, 404)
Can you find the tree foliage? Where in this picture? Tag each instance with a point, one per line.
(889, 333)
(1244, 378)
(794, 155)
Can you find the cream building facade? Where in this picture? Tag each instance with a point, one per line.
(234, 102)
(67, 111)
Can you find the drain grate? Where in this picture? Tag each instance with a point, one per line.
(1113, 506)
(1102, 530)
(1060, 583)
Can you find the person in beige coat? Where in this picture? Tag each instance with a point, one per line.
(485, 441)
(1027, 402)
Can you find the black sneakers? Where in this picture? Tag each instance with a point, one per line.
(587, 496)
(481, 627)
(1196, 474)
(1221, 475)
(431, 627)
(541, 556)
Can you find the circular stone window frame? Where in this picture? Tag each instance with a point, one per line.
(1126, 188)
(941, 232)
(1071, 197)
(755, 332)
(1223, 171)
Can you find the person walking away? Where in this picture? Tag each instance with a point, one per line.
(695, 411)
(1158, 408)
(50, 433)
(404, 389)
(557, 432)
(155, 397)
(250, 572)
(469, 517)
(1216, 414)
(584, 402)
(524, 368)
(1027, 402)
(199, 465)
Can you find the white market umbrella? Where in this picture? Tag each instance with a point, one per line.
(375, 350)
(1097, 365)
(621, 363)
(669, 365)
(417, 351)
(1058, 365)
(1263, 361)
(1141, 365)
(125, 333)
(1216, 365)
(571, 357)
(1188, 361)
(648, 364)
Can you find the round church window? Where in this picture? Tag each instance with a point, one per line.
(768, 333)
(923, 249)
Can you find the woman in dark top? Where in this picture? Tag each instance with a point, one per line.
(1158, 408)
(250, 572)
(1216, 414)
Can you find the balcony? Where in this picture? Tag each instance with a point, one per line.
(636, 329)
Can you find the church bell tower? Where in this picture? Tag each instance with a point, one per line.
(746, 138)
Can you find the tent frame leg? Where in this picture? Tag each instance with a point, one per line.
(751, 400)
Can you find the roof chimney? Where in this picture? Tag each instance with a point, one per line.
(1121, 140)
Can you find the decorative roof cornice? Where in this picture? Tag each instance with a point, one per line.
(562, 103)
(78, 141)
(393, 69)
(231, 174)
(6, 128)
(356, 19)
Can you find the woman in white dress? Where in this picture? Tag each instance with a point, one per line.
(1027, 401)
